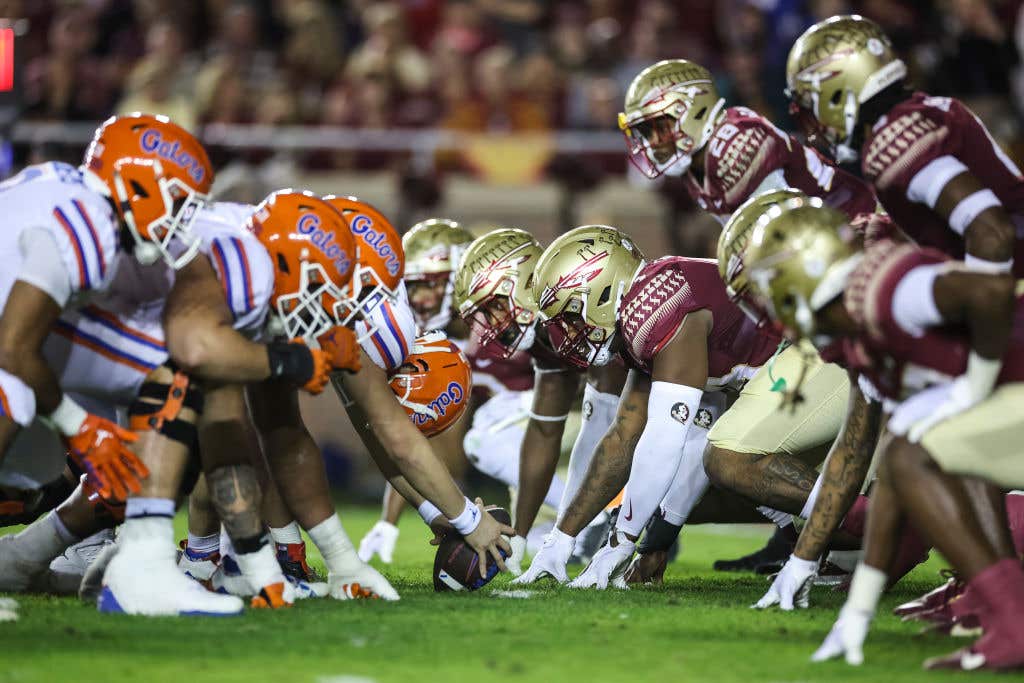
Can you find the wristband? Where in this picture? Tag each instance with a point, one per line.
(291, 361)
(68, 417)
(468, 520)
(985, 266)
(429, 512)
(981, 374)
(548, 418)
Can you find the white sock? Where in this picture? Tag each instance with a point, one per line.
(62, 531)
(227, 548)
(40, 542)
(335, 546)
(289, 534)
(260, 567)
(148, 529)
(149, 507)
(203, 545)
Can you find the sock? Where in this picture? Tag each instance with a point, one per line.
(62, 531)
(149, 507)
(148, 530)
(290, 534)
(260, 567)
(856, 518)
(203, 546)
(1015, 517)
(40, 542)
(335, 546)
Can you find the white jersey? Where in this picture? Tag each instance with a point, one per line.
(394, 331)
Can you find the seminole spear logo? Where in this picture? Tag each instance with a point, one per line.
(508, 262)
(574, 279)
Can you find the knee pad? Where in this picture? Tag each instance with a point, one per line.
(160, 413)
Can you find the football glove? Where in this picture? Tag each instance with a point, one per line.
(100, 449)
(380, 540)
(551, 559)
(792, 585)
(846, 637)
(608, 566)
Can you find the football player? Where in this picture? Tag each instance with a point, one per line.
(935, 167)
(433, 250)
(674, 325)
(494, 295)
(676, 123)
(913, 322)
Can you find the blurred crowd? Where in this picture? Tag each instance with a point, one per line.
(467, 65)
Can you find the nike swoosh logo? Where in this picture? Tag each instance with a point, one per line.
(969, 661)
(629, 515)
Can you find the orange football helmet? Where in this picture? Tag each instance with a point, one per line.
(434, 383)
(380, 259)
(159, 176)
(314, 253)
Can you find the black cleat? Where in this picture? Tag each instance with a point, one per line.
(768, 559)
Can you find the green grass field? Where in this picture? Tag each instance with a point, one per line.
(697, 628)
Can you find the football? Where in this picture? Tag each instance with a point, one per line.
(456, 564)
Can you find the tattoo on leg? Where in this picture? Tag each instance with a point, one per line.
(235, 493)
(782, 482)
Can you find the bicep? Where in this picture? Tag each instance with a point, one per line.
(196, 294)
(684, 359)
(28, 315)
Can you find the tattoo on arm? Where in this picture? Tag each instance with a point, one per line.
(845, 468)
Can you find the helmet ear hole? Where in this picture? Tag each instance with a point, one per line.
(282, 264)
(836, 97)
(700, 114)
(606, 295)
(138, 190)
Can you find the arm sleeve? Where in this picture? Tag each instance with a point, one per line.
(913, 303)
(671, 410)
(598, 413)
(42, 266)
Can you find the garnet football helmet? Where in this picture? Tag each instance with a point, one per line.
(433, 384)
(581, 279)
(493, 289)
(314, 253)
(833, 68)
(159, 176)
(674, 101)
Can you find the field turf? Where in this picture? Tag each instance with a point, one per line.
(697, 628)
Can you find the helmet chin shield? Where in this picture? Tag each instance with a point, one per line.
(578, 343)
(168, 236)
(316, 307)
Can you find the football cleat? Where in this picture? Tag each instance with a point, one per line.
(933, 600)
(92, 580)
(143, 579)
(67, 571)
(768, 559)
(292, 558)
(200, 566)
(274, 596)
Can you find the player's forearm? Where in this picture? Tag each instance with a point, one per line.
(30, 367)
(216, 352)
(538, 459)
(606, 476)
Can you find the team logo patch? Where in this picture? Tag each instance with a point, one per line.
(451, 396)
(588, 410)
(680, 413)
(703, 418)
(309, 224)
(578, 277)
(171, 150)
(377, 240)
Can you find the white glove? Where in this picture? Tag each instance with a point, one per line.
(551, 559)
(966, 391)
(379, 540)
(792, 585)
(306, 590)
(514, 562)
(846, 637)
(608, 565)
(340, 584)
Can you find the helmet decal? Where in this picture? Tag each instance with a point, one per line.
(362, 227)
(577, 277)
(309, 224)
(152, 141)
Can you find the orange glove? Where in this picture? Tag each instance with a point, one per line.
(321, 370)
(100, 449)
(342, 348)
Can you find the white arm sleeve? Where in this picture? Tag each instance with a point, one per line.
(928, 183)
(913, 302)
(598, 413)
(671, 410)
(41, 265)
(691, 481)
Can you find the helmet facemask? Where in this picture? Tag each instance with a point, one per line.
(667, 115)
(577, 342)
(500, 324)
(168, 236)
(370, 292)
(315, 307)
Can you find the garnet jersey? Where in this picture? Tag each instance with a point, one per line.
(661, 295)
(747, 154)
(922, 143)
(899, 362)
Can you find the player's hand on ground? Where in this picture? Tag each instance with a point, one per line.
(515, 560)
(100, 448)
(551, 559)
(490, 538)
(608, 566)
(341, 348)
(362, 581)
(846, 638)
(792, 585)
(380, 540)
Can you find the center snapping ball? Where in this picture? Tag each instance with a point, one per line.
(456, 564)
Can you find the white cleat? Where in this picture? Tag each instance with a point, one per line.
(66, 572)
(199, 567)
(143, 579)
(92, 580)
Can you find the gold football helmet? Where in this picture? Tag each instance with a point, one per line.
(670, 110)
(800, 256)
(732, 244)
(581, 279)
(432, 251)
(834, 67)
(493, 289)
